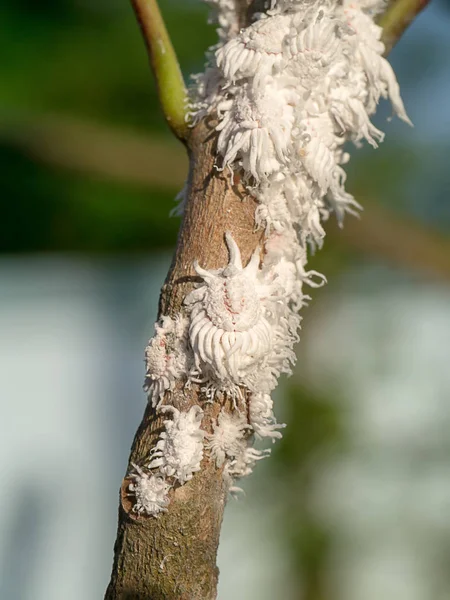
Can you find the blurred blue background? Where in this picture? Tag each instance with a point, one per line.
(354, 503)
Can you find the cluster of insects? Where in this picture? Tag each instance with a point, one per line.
(289, 91)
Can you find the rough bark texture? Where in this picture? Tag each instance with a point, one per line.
(174, 556)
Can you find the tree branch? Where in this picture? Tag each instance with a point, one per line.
(397, 17)
(173, 556)
(169, 80)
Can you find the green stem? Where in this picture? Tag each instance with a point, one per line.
(169, 80)
(396, 18)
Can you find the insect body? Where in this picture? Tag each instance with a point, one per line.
(229, 332)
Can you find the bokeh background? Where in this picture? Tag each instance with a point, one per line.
(354, 503)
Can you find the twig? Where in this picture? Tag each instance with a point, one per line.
(396, 18)
(169, 80)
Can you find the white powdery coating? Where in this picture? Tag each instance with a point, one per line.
(229, 333)
(179, 450)
(167, 357)
(261, 417)
(150, 492)
(228, 438)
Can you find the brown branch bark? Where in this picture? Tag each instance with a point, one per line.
(174, 556)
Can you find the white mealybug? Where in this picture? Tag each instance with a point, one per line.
(256, 51)
(243, 464)
(320, 163)
(150, 492)
(350, 113)
(228, 438)
(261, 417)
(272, 212)
(255, 129)
(230, 445)
(179, 450)
(228, 331)
(167, 357)
(310, 50)
(368, 49)
(289, 91)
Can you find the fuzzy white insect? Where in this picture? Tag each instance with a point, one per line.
(256, 128)
(261, 417)
(368, 49)
(350, 114)
(229, 332)
(310, 48)
(228, 438)
(179, 450)
(230, 445)
(289, 90)
(150, 492)
(256, 52)
(284, 271)
(243, 464)
(272, 213)
(167, 357)
(306, 205)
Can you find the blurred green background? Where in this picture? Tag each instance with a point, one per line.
(354, 502)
